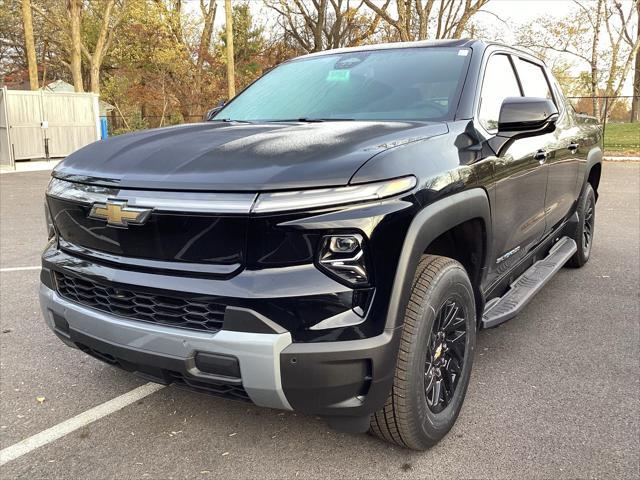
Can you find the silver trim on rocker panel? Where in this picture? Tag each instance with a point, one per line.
(257, 353)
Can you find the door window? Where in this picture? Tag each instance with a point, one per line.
(499, 83)
(534, 82)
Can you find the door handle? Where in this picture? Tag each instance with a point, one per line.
(573, 147)
(541, 155)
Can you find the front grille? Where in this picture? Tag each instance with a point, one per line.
(166, 310)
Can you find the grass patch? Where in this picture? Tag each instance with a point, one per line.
(622, 138)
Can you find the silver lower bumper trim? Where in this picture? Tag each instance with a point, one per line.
(257, 353)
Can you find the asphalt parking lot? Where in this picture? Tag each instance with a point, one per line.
(554, 392)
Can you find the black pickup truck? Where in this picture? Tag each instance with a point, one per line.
(331, 240)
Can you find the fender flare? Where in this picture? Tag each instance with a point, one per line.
(431, 222)
(594, 157)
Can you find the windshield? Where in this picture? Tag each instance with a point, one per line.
(394, 84)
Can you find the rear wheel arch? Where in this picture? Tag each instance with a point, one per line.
(593, 170)
(593, 177)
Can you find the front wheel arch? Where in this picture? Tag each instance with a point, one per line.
(429, 224)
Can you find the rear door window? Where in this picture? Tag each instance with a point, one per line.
(534, 81)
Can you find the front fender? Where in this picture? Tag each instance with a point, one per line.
(431, 222)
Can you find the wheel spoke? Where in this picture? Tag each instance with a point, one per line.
(436, 392)
(428, 381)
(450, 317)
(454, 324)
(445, 391)
(456, 351)
(454, 366)
(457, 336)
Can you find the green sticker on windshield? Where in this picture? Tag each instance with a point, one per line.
(338, 76)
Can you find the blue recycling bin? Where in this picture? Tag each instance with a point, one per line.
(104, 132)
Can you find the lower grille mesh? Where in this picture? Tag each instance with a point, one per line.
(159, 309)
(232, 392)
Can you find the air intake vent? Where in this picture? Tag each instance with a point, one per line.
(180, 312)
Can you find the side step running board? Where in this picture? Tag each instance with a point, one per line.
(528, 284)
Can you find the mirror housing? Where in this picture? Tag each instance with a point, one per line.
(526, 114)
(522, 117)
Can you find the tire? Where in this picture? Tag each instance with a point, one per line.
(583, 234)
(411, 417)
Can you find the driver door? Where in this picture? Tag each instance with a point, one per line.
(520, 172)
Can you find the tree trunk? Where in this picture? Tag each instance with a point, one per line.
(594, 60)
(318, 31)
(94, 72)
(209, 14)
(102, 44)
(231, 80)
(74, 7)
(27, 21)
(635, 101)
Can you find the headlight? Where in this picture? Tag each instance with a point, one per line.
(343, 256)
(323, 197)
(49, 222)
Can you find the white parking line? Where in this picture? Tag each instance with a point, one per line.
(19, 269)
(58, 431)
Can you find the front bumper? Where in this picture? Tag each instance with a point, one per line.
(155, 350)
(333, 379)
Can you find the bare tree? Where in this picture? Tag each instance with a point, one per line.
(581, 36)
(208, 11)
(416, 19)
(231, 78)
(321, 24)
(108, 13)
(618, 37)
(635, 101)
(108, 28)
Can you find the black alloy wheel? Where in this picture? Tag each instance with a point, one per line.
(445, 355)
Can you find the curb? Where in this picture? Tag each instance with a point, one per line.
(621, 159)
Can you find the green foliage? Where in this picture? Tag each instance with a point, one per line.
(248, 43)
(175, 119)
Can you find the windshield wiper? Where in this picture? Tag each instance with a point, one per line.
(314, 120)
(229, 120)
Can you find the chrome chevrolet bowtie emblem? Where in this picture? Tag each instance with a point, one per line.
(118, 214)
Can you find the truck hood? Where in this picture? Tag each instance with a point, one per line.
(240, 157)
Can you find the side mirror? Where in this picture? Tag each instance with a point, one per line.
(527, 115)
(212, 112)
(522, 117)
